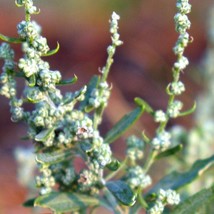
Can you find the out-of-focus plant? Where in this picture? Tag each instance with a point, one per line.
(198, 141)
(65, 127)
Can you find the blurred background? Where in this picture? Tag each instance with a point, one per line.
(142, 64)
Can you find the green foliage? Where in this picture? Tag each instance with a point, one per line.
(170, 152)
(122, 192)
(194, 203)
(121, 126)
(65, 202)
(54, 157)
(64, 127)
(176, 180)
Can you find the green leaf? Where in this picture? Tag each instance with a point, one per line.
(44, 135)
(143, 103)
(190, 111)
(114, 165)
(176, 180)
(194, 203)
(54, 157)
(77, 96)
(65, 202)
(122, 125)
(86, 146)
(122, 192)
(21, 4)
(68, 82)
(52, 52)
(31, 81)
(29, 202)
(10, 39)
(90, 86)
(169, 152)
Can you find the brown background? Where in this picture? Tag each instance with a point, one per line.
(142, 65)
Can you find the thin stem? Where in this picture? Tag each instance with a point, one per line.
(150, 160)
(107, 67)
(141, 200)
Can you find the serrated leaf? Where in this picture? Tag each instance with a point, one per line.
(54, 157)
(65, 202)
(143, 103)
(68, 82)
(122, 125)
(90, 86)
(193, 204)
(52, 52)
(44, 135)
(10, 39)
(169, 152)
(122, 192)
(176, 180)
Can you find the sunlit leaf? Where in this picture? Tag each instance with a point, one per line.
(32, 81)
(144, 104)
(52, 52)
(190, 111)
(10, 39)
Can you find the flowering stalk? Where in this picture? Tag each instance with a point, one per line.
(103, 91)
(60, 131)
(162, 140)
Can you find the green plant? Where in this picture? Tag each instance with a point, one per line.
(66, 127)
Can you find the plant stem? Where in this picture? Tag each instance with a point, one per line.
(140, 199)
(150, 160)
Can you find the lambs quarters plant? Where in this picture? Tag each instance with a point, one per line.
(64, 127)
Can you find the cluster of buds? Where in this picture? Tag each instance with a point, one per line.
(135, 148)
(161, 141)
(165, 197)
(176, 87)
(136, 177)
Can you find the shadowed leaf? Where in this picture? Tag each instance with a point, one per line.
(122, 125)
(54, 157)
(65, 202)
(122, 192)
